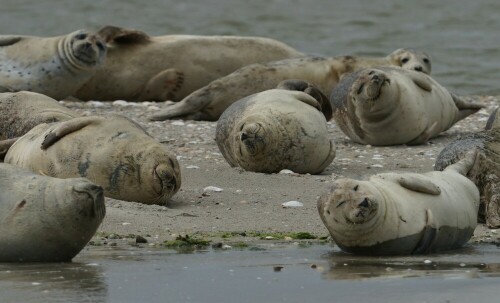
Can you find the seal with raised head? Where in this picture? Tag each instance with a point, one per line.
(402, 213)
(274, 130)
(208, 102)
(53, 66)
(141, 67)
(486, 171)
(113, 152)
(391, 105)
(46, 219)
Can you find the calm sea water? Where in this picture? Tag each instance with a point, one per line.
(462, 36)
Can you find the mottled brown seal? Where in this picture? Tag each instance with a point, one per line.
(141, 67)
(391, 105)
(208, 102)
(486, 171)
(113, 152)
(402, 213)
(44, 219)
(54, 66)
(274, 130)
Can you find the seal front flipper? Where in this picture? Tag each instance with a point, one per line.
(308, 88)
(6, 89)
(121, 35)
(421, 80)
(66, 127)
(162, 86)
(493, 120)
(428, 235)
(419, 183)
(9, 40)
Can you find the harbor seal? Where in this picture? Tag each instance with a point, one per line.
(402, 213)
(113, 152)
(140, 67)
(391, 105)
(46, 219)
(274, 130)
(208, 102)
(486, 171)
(53, 66)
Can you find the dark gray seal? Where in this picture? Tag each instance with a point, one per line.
(486, 171)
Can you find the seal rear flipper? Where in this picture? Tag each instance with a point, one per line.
(428, 236)
(5, 145)
(6, 89)
(162, 86)
(9, 40)
(66, 127)
(493, 120)
(465, 107)
(419, 183)
(465, 164)
(313, 91)
(122, 35)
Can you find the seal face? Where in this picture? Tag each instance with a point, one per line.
(486, 170)
(54, 66)
(113, 152)
(402, 213)
(391, 105)
(274, 130)
(210, 101)
(45, 219)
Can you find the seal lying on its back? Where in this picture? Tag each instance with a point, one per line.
(404, 213)
(486, 171)
(113, 152)
(55, 66)
(45, 219)
(391, 105)
(277, 129)
(210, 101)
(140, 67)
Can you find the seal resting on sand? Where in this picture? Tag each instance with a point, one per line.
(277, 129)
(140, 67)
(46, 219)
(391, 105)
(53, 66)
(402, 213)
(113, 152)
(208, 102)
(486, 171)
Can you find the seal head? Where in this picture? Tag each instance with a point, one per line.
(411, 59)
(84, 50)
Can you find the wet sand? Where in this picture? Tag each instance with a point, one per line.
(250, 204)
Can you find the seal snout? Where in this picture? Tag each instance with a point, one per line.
(94, 196)
(167, 181)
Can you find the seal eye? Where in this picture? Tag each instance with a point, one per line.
(371, 73)
(404, 60)
(426, 60)
(81, 36)
(356, 188)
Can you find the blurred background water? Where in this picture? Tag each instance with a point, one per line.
(462, 36)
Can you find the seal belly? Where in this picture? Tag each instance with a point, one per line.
(429, 240)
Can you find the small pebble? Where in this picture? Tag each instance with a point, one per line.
(212, 188)
(192, 167)
(178, 123)
(140, 239)
(427, 261)
(292, 204)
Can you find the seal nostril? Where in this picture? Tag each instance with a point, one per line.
(418, 68)
(244, 136)
(364, 203)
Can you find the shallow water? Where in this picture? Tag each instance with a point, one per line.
(317, 273)
(461, 35)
